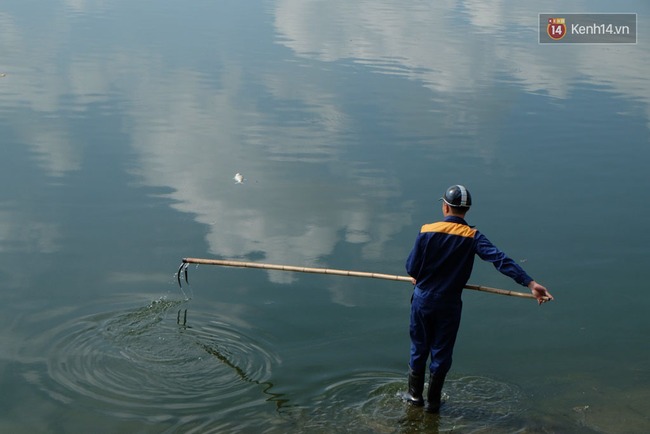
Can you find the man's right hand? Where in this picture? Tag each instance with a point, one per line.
(540, 292)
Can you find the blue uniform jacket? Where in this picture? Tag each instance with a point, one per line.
(443, 256)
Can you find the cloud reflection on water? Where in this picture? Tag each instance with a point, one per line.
(285, 121)
(460, 46)
(192, 130)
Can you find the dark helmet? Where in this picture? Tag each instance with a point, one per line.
(457, 196)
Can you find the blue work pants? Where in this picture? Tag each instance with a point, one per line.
(433, 329)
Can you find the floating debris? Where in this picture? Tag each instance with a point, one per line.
(2, 74)
(581, 408)
(239, 178)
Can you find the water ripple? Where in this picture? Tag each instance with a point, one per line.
(471, 403)
(151, 362)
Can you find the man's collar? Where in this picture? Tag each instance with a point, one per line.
(456, 219)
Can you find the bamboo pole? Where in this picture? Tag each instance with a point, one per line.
(243, 264)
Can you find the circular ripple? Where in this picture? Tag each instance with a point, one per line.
(154, 361)
(371, 402)
(483, 398)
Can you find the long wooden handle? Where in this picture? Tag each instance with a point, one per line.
(243, 264)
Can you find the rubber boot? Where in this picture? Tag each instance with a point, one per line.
(434, 393)
(416, 387)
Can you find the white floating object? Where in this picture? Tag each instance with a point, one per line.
(239, 178)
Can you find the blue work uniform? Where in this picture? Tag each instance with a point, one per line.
(441, 263)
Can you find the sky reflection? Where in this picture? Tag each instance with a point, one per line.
(285, 122)
(123, 124)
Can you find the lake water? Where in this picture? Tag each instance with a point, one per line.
(122, 124)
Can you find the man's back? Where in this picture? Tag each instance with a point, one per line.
(442, 259)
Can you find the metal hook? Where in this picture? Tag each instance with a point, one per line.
(182, 269)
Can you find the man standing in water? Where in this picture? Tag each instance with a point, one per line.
(440, 264)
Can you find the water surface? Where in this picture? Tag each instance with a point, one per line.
(123, 123)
